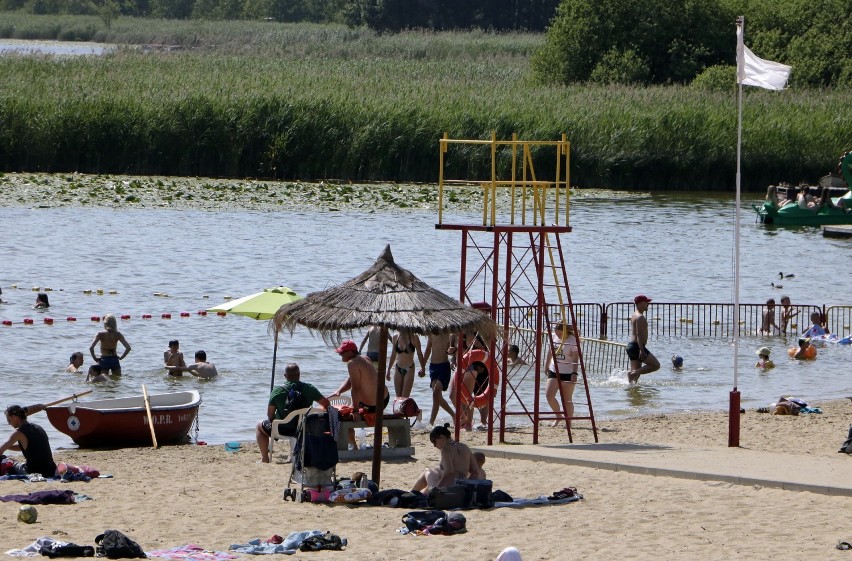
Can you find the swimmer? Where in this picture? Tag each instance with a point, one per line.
(764, 361)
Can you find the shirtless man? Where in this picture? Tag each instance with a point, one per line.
(76, 361)
(768, 323)
(457, 462)
(636, 349)
(363, 380)
(200, 368)
(439, 349)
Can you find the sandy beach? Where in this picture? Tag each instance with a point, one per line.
(209, 497)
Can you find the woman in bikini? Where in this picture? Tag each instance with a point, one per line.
(562, 355)
(457, 462)
(109, 361)
(404, 345)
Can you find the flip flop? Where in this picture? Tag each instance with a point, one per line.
(565, 493)
(844, 546)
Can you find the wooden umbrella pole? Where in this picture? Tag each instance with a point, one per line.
(380, 398)
(150, 417)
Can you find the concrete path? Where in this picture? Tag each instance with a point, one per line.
(825, 475)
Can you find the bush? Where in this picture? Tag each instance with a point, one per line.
(620, 68)
(718, 78)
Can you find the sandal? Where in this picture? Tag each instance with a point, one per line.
(763, 410)
(844, 546)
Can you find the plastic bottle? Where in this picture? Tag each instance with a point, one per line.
(361, 437)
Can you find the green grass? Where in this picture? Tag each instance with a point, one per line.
(305, 102)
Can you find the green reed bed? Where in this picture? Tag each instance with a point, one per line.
(380, 118)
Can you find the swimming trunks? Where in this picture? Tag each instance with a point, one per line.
(372, 408)
(633, 350)
(373, 355)
(441, 373)
(109, 363)
(283, 429)
(562, 377)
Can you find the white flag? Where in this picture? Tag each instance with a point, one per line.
(754, 71)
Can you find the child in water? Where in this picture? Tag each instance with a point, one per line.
(764, 362)
(172, 356)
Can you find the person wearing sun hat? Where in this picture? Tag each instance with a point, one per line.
(641, 359)
(764, 362)
(363, 380)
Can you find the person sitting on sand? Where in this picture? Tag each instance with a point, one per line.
(764, 361)
(457, 462)
(172, 356)
(479, 457)
(76, 361)
(31, 440)
(200, 368)
(291, 396)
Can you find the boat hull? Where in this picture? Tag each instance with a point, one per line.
(123, 422)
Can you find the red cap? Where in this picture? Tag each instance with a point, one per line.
(347, 345)
(641, 298)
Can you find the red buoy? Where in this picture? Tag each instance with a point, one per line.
(48, 321)
(146, 316)
(221, 313)
(202, 312)
(126, 316)
(71, 318)
(7, 322)
(28, 321)
(184, 314)
(96, 318)
(167, 316)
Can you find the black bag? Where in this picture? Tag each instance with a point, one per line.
(325, 541)
(115, 545)
(450, 497)
(477, 492)
(67, 550)
(422, 519)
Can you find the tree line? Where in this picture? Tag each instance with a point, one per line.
(380, 15)
(678, 41)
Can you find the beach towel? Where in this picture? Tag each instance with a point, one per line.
(190, 552)
(538, 501)
(34, 549)
(51, 497)
(289, 546)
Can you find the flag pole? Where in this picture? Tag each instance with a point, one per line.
(734, 398)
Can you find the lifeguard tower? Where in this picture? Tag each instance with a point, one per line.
(513, 267)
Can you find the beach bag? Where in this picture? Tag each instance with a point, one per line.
(454, 496)
(452, 523)
(477, 492)
(324, 541)
(67, 550)
(115, 545)
(846, 447)
(405, 407)
(422, 519)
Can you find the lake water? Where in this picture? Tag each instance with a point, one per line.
(58, 48)
(675, 248)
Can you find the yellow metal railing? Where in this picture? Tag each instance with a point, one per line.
(529, 198)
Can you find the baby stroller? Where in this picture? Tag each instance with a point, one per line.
(314, 459)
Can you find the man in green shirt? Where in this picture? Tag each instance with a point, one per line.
(290, 396)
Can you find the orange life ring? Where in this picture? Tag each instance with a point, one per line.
(810, 352)
(479, 355)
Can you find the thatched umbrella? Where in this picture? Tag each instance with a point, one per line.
(387, 296)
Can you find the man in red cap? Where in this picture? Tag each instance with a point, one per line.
(641, 359)
(363, 380)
